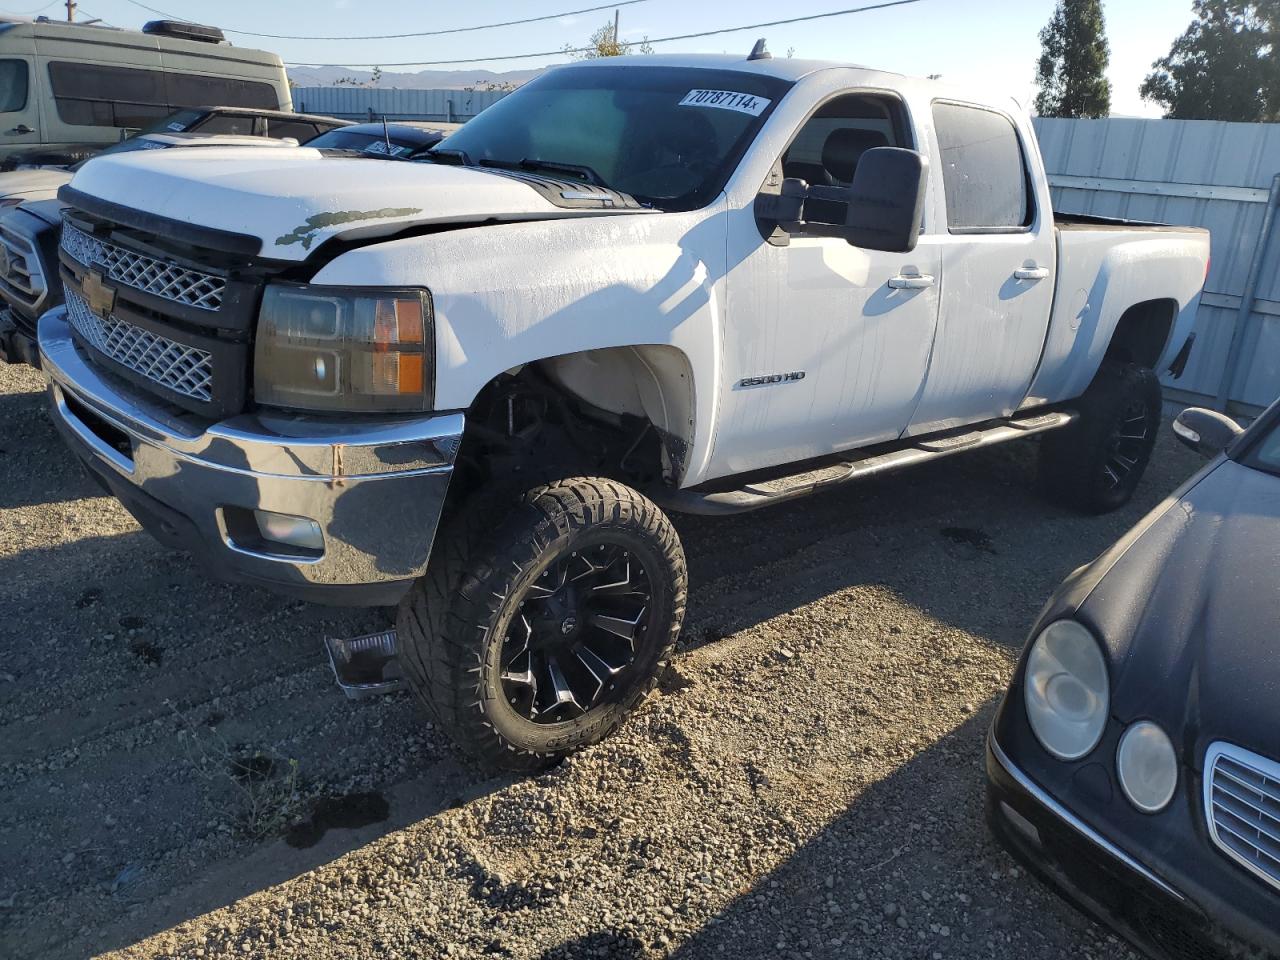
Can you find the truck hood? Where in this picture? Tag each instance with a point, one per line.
(32, 184)
(1189, 612)
(292, 201)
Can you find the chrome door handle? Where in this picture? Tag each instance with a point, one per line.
(1031, 273)
(915, 281)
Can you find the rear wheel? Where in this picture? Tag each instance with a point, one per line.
(1096, 463)
(542, 635)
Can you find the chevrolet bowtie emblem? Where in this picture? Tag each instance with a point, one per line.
(100, 296)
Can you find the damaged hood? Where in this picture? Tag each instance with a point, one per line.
(1189, 615)
(292, 201)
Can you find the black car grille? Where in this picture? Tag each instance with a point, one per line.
(166, 321)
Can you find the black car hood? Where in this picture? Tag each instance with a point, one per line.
(1190, 612)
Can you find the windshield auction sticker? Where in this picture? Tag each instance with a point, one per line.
(726, 100)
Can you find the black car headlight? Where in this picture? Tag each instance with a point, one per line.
(1066, 690)
(344, 349)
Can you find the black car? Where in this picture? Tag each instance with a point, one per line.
(394, 140)
(209, 121)
(1135, 761)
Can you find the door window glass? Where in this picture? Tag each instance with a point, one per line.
(984, 172)
(13, 85)
(829, 146)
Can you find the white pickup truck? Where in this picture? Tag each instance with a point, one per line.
(475, 385)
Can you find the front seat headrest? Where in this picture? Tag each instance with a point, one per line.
(844, 148)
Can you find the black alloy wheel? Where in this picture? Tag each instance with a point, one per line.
(576, 633)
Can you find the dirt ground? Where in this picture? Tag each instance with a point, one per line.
(179, 776)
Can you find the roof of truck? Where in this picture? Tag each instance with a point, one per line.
(784, 68)
(792, 70)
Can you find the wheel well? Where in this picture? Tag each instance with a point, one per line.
(624, 413)
(1142, 332)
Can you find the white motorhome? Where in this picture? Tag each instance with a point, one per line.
(67, 90)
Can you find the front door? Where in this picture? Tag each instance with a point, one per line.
(997, 264)
(821, 351)
(19, 104)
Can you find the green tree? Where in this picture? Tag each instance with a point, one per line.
(605, 43)
(1072, 69)
(1225, 67)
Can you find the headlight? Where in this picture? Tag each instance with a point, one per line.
(334, 348)
(1147, 767)
(1066, 690)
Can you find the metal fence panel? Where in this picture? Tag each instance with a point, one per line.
(1197, 173)
(359, 103)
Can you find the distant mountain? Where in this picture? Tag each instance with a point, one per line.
(423, 79)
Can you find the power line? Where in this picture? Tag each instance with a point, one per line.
(401, 36)
(566, 50)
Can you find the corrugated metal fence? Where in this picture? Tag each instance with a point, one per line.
(360, 103)
(1201, 173)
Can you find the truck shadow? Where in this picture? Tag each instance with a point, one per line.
(142, 645)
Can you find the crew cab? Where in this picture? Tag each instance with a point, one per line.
(476, 384)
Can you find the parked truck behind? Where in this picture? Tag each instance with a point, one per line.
(475, 386)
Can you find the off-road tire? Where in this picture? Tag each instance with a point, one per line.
(454, 621)
(1095, 464)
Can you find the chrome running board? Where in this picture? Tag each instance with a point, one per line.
(880, 459)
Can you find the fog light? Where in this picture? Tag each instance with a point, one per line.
(1147, 766)
(293, 531)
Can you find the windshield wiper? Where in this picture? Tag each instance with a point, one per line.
(579, 171)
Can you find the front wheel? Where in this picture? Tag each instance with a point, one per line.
(1095, 464)
(539, 637)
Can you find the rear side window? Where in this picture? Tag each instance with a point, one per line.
(100, 95)
(983, 169)
(13, 85)
(298, 129)
(230, 123)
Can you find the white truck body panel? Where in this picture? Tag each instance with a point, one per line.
(1102, 271)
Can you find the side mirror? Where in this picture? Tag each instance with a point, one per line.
(1206, 432)
(886, 200)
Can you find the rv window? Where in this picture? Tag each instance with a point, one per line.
(190, 90)
(109, 96)
(13, 85)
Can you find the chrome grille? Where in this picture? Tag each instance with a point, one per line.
(186, 370)
(1242, 804)
(20, 267)
(149, 274)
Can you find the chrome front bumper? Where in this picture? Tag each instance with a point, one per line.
(376, 488)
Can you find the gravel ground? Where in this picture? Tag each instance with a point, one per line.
(808, 783)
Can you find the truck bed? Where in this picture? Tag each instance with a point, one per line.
(1106, 266)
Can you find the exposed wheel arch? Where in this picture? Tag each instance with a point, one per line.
(625, 413)
(1142, 333)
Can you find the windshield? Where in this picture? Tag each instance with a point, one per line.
(668, 136)
(1266, 454)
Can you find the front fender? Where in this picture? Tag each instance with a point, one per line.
(505, 295)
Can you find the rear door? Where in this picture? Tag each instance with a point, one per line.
(997, 269)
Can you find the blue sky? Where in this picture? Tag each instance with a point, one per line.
(993, 42)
